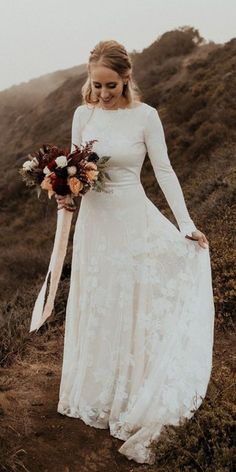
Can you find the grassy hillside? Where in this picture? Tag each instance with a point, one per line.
(194, 91)
(192, 84)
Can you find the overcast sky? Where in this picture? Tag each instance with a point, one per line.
(41, 36)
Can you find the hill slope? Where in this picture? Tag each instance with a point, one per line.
(193, 86)
(194, 91)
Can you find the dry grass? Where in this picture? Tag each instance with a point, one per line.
(195, 93)
(204, 443)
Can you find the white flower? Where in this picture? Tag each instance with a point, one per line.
(61, 161)
(28, 165)
(46, 170)
(31, 164)
(71, 170)
(35, 161)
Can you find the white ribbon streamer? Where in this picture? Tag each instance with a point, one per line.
(42, 310)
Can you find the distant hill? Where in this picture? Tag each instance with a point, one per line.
(37, 89)
(192, 83)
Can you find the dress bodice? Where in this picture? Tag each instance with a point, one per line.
(116, 138)
(126, 135)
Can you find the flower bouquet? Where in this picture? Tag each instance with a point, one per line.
(66, 174)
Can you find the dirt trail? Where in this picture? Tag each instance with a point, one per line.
(42, 439)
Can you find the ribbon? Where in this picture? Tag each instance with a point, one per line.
(42, 310)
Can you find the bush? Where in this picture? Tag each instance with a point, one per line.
(206, 138)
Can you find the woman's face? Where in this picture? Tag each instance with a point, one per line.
(107, 87)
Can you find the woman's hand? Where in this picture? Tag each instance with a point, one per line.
(61, 201)
(200, 238)
(65, 202)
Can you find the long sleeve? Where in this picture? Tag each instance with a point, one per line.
(167, 179)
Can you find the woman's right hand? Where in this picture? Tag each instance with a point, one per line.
(66, 202)
(200, 237)
(61, 201)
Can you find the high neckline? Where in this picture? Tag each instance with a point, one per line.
(115, 110)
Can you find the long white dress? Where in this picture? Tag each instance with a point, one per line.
(140, 313)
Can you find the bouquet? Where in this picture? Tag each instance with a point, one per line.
(66, 174)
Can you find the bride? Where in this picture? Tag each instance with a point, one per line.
(140, 313)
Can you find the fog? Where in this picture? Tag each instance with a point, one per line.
(42, 36)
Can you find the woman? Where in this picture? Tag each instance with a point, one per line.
(140, 313)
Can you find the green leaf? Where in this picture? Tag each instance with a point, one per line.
(104, 159)
(107, 175)
(98, 184)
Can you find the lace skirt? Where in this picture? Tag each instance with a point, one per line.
(139, 321)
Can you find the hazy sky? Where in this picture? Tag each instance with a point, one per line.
(41, 36)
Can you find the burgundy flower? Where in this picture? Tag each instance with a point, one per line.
(59, 185)
(52, 165)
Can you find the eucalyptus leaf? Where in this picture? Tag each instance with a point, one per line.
(98, 184)
(107, 176)
(104, 159)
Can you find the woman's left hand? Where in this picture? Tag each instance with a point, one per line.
(200, 238)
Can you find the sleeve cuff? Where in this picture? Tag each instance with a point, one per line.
(187, 229)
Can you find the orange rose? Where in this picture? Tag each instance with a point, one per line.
(75, 185)
(46, 185)
(91, 171)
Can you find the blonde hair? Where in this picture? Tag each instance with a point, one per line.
(113, 55)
